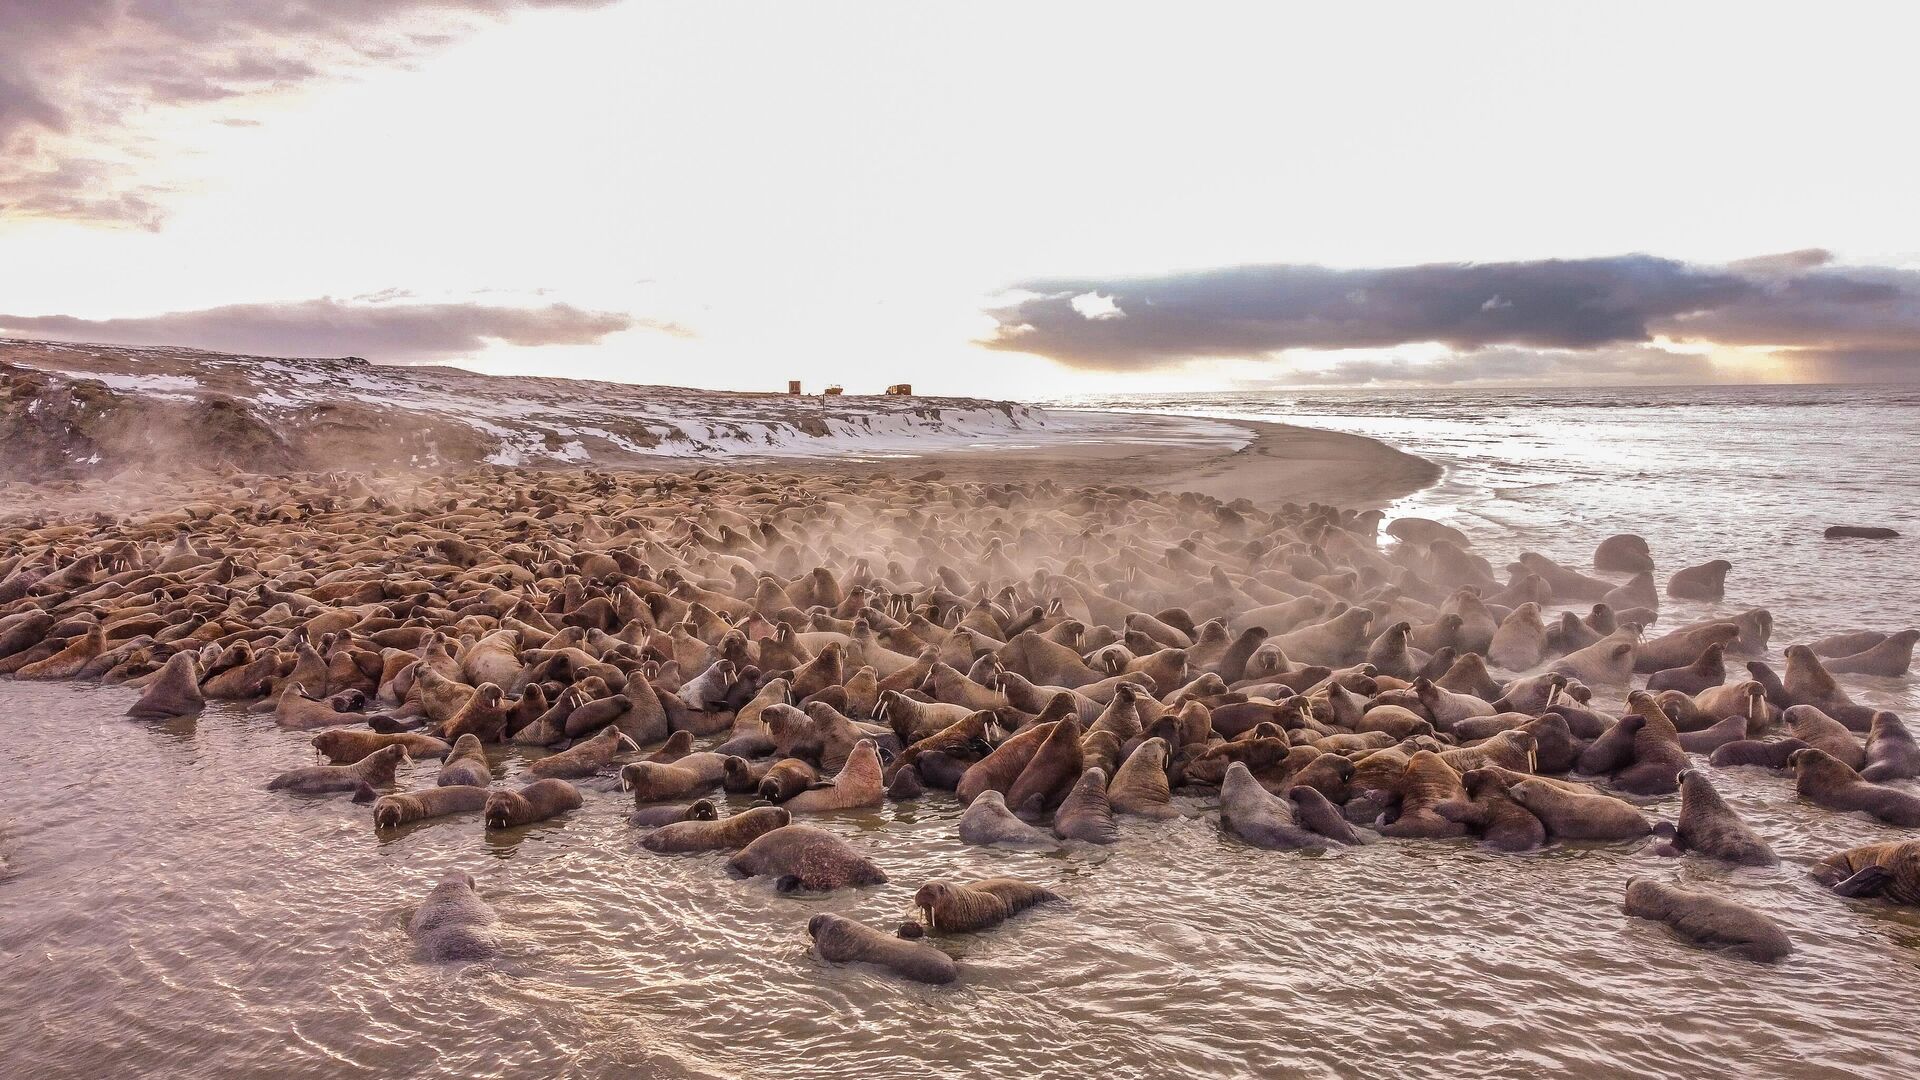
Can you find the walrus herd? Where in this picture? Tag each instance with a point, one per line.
(1064, 662)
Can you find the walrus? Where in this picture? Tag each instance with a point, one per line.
(374, 770)
(987, 821)
(840, 940)
(1708, 670)
(175, 691)
(1491, 811)
(1259, 817)
(294, 709)
(1313, 812)
(466, 765)
(453, 923)
(1049, 774)
(1086, 813)
(1817, 729)
(857, 784)
(587, 757)
(484, 714)
(1709, 826)
(1571, 816)
(536, 802)
(1763, 753)
(1426, 782)
(1891, 657)
(341, 746)
(1521, 641)
(392, 811)
(1891, 753)
(1657, 754)
(1807, 682)
(977, 905)
(650, 817)
(1705, 919)
(1139, 786)
(786, 778)
(802, 858)
(1827, 781)
(1708, 581)
(1890, 870)
(735, 831)
(653, 781)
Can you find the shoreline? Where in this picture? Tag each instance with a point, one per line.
(1265, 462)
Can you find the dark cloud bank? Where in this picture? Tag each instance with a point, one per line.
(1555, 319)
(74, 73)
(384, 333)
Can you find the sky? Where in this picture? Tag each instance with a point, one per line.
(1001, 199)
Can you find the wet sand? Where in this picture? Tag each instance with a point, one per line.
(1265, 463)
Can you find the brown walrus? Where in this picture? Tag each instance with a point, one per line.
(1705, 919)
(802, 858)
(977, 905)
(466, 765)
(1827, 781)
(840, 940)
(1573, 816)
(392, 811)
(343, 747)
(374, 770)
(1891, 752)
(587, 757)
(1140, 787)
(1709, 826)
(1890, 870)
(857, 784)
(735, 831)
(536, 802)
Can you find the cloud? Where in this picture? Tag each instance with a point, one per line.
(77, 77)
(384, 333)
(1638, 364)
(1249, 310)
(1562, 313)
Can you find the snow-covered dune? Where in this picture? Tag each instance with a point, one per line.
(80, 410)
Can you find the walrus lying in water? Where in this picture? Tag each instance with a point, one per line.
(840, 940)
(453, 923)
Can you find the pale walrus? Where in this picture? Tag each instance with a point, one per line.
(1140, 786)
(1259, 817)
(802, 858)
(988, 821)
(453, 923)
(977, 905)
(374, 770)
(538, 801)
(1085, 814)
(1708, 581)
(840, 940)
(392, 811)
(175, 691)
(727, 833)
(1705, 919)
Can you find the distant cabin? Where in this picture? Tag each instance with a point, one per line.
(793, 387)
(835, 391)
(900, 389)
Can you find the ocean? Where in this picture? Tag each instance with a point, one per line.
(1751, 474)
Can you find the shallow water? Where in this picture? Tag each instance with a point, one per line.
(163, 915)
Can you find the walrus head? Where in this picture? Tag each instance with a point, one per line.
(928, 898)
